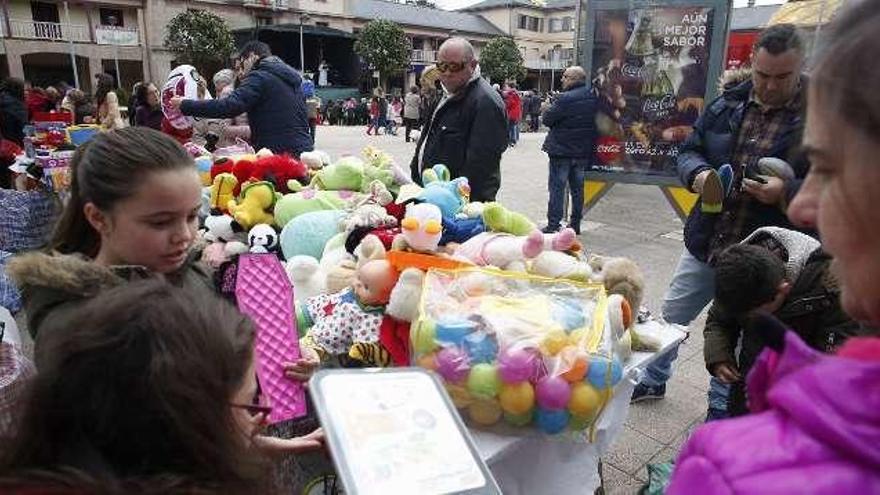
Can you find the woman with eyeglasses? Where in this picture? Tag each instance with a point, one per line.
(151, 390)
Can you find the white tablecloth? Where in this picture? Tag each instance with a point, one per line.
(539, 465)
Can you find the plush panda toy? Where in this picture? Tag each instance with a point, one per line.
(263, 239)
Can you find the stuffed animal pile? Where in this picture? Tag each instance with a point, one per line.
(358, 237)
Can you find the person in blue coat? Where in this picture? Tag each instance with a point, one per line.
(569, 144)
(272, 96)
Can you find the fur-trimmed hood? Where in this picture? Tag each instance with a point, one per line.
(70, 273)
(732, 78)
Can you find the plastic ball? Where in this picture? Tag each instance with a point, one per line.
(517, 365)
(585, 400)
(453, 331)
(483, 381)
(604, 373)
(579, 423)
(578, 337)
(519, 419)
(517, 398)
(453, 364)
(480, 347)
(569, 314)
(574, 364)
(553, 392)
(551, 422)
(428, 361)
(424, 336)
(485, 412)
(459, 395)
(554, 341)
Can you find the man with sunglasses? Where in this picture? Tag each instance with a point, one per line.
(272, 96)
(467, 131)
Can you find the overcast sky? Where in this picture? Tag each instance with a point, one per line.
(457, 4)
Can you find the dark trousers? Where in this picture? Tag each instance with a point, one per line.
(410, 125)
(313, 124)
(534, 122)
(566, 171)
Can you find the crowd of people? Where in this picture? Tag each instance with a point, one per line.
(146, 378)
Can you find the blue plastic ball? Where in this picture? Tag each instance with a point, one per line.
(551, 422)
(480, 347)
(604, 373)
(453, 331)
(569, 314)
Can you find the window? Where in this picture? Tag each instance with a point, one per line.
(111, 17)
(322, 24)
(264, 20)
(555, 25)
(44, 12)
(530, 23)
(567, 24)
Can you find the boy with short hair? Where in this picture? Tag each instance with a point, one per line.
(776, 271)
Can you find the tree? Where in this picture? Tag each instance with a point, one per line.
(201, 39)
(501, 60)
(384, 47)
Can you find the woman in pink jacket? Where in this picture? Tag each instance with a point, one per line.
(815, 422)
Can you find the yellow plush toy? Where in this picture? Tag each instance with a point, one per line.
(222, 191)
(255, 205)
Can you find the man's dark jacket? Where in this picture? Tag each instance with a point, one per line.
(271, 95)
(711, 145)
(468, 134)
(572, 123)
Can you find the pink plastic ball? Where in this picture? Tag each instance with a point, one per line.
(453, 364)
(553, 393)
(516, 365)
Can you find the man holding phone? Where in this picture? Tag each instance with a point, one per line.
(758, 118)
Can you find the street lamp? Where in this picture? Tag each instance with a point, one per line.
(303, 18)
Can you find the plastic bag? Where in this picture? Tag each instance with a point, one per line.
(182, 81)
(514, 350)
(241, 147)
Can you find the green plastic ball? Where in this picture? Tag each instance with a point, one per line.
(483, 381)
(424, 336)
(519, 419)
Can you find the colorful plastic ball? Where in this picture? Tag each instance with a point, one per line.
(580, 423)
(517, 365)
(578, 337)
(453, 364)
(427, 361)
(459, 395)
(485, 412)
(585, 400)
(424, 336)
(483, 381)
(553, 392)
(453, 331)
(551, 422)
(517, 398)
(554, 341)
(480, 347)
(569, 314)
(519, 419)
(574, 364)
(604, 373)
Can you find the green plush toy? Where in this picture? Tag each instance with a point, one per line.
(345, 175)
(499, 219)
(383, 175)
(293, 205)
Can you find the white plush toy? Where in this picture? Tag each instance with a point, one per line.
(555, 264)
(263, 239)
(403, 303)
(315, 160)
(307, 277)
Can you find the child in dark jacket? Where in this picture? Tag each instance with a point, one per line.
(781, 272)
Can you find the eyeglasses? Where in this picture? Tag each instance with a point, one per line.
(451, 66)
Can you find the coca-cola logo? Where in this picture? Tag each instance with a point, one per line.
(656, 105)
(608, 150)
(634, 71)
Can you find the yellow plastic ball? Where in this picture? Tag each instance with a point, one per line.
(574, 364)
(517, 398)
(553, 342)
(485, 412)
(460, 395)
(424, 336)
(585, 400)
(578, 337)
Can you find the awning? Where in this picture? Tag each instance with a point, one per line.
(309, 29)
(806, 12)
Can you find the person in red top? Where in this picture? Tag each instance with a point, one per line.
(513, 103)
(374, 116)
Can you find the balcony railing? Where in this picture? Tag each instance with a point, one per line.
(267, 4)
(52, 31)
(426, 56)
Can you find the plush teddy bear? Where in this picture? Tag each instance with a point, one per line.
(255, 204)
(306, 276)
(619, 276)
(337, 321)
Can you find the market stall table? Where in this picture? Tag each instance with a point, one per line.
(540, 465)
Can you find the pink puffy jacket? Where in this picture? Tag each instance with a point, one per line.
(815, 428)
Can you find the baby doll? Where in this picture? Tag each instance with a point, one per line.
(353, 315)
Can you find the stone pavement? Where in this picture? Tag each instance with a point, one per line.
(632, 221)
